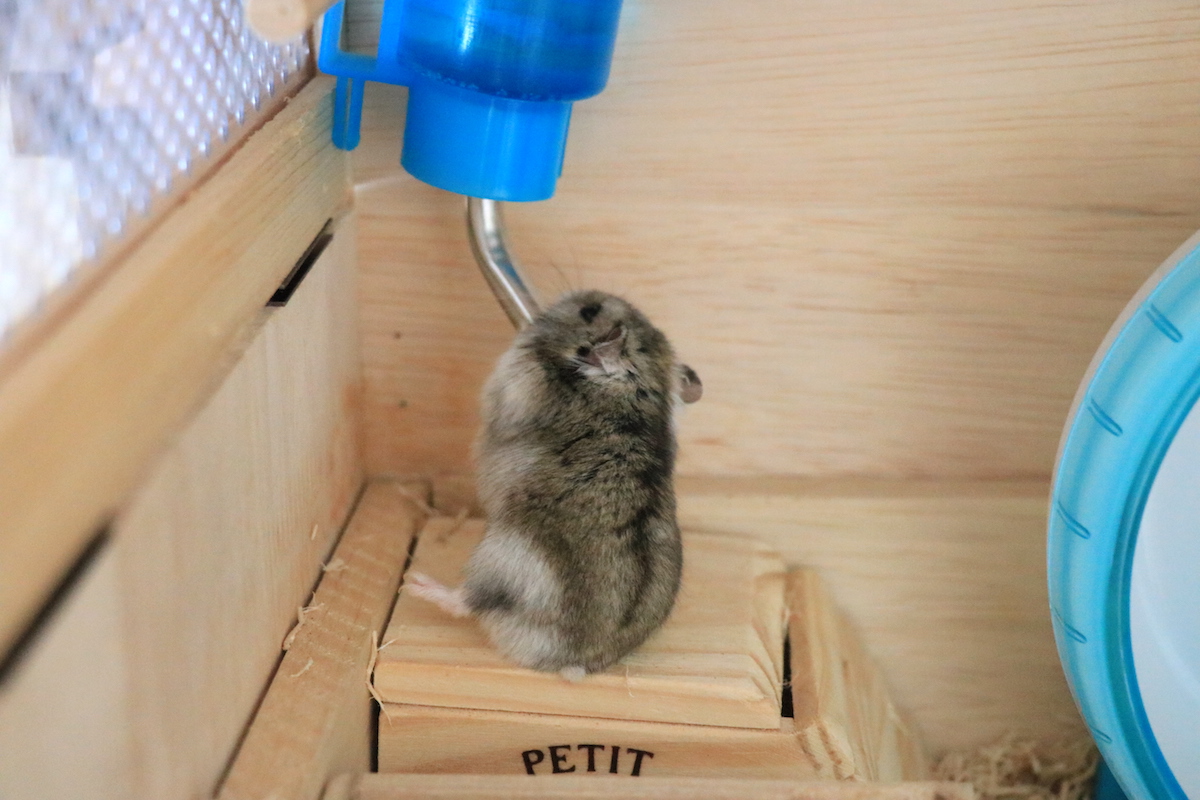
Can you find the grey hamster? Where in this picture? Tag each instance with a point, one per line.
(581, 558)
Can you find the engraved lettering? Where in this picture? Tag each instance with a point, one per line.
(560, 758)
(532, 758)
(591, 750)
(557, 759)
(637, 759)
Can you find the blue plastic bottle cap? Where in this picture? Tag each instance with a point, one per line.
(484, 146)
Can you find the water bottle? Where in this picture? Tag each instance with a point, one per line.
(491, 84)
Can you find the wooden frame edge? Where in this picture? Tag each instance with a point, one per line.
(83, 415)
(378, 786)
(315, 718)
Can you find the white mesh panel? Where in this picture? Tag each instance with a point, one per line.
(103, 105)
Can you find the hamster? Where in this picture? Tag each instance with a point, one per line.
(581, 558)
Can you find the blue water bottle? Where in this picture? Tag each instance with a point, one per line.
(491, 83)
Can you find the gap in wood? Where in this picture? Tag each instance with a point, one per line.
(305, 263)
(787, 709)
(375, 711)
(29, 636)
(375, 708)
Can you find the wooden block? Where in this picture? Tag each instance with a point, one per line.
(841, 706)
(844, 724)
(489, 787)
(425, 739)
(945, 582)
(717, 661)
(281, 20)
(315, 720)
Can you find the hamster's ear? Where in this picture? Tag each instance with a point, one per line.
(690, 387)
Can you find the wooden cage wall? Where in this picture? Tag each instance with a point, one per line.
(888, 237)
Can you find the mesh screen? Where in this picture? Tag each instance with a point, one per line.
(104, 105)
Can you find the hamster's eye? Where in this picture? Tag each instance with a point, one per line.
(584, 351)
(589, 312)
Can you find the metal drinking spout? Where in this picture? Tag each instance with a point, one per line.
(485, 229)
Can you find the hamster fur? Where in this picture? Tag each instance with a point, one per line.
(581, 558)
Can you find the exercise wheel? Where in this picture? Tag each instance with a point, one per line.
(1124, 539)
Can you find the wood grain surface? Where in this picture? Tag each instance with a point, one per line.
(65, 724)
(315, 720)
(717, 661)
(228, 535)
(843, 724)
(141, 685)
(841, 706)
(944, 581)
(82, 417)
(517, 787)
(889, 240)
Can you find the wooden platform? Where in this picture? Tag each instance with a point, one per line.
(703, 698)
(478, 787)
(718, 662)
(312, 724)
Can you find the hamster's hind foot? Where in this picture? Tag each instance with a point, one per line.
(452, 601)
(573, 674)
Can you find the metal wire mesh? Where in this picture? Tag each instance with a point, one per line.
(104, 104)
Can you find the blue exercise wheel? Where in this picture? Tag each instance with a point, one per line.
(1124, 540)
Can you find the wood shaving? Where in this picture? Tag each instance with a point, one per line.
(388, 644)
(301, 613)
(417, 500)
(336, 565)
(304, 669)
(455, 525)
(312, 535)
(1023, 769)
(371, 676)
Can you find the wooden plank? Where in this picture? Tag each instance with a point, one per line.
(281, 20)
(315, 720)
(844, 724)
(717, 661)
(227, 536)
(842, 709)
(487, 787)
(944, 581)
(1085, 105)
(427, 739)
(911, 342)
(65, 727)
(82, 416)
(889, 241)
